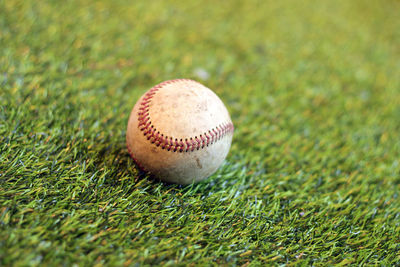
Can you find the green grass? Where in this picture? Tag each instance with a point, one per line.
(313, 176)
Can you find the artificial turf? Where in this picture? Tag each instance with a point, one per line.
(313, 175)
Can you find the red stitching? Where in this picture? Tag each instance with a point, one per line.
(203, 141)
(134, 159)
(170, 143)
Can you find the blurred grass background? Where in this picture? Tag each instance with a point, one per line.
(313, 176)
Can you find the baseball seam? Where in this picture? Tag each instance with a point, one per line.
(171, 143)
(137, 162)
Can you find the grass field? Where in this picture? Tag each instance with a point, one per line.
(313, 175)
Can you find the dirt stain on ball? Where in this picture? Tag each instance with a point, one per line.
(198, 163)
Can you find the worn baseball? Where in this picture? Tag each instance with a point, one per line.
(179, 131)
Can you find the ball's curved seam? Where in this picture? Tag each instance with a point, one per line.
(171, 143)
(134, 158)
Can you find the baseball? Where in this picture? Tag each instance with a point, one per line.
(179, 131)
